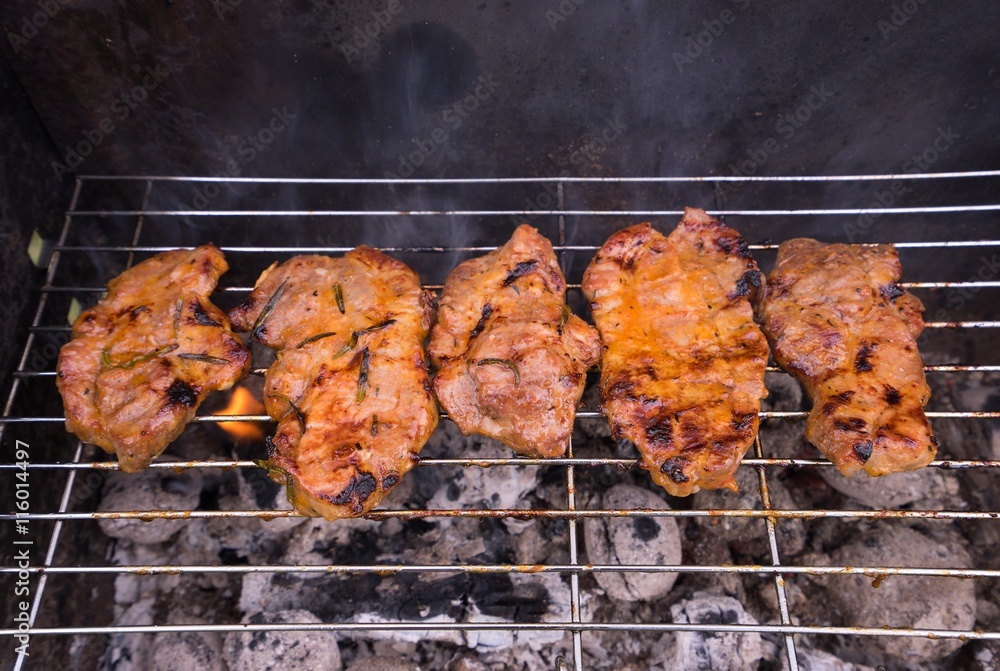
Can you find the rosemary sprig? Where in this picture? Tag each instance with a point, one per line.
(318, 336)
(272, 470)
(294, 408)
(203, 358)
(132, 363)
(338, 293)
(353, 342)
(503, 362)
(563, 318)
(363, 376)
(177, 315)
(266, 312)
(374, 425)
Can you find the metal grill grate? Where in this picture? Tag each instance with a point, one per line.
(150, 213)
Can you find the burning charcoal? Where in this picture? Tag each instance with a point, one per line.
(633, 540)
(155, 489)
(267, 650)
(188, 650)
(382, 663)
(716, 651)
(932, 488)
(902, 601)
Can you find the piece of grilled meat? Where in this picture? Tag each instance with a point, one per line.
(682, 373)
(349, 387)
(512, 358)
(837, 321)
(142, 360)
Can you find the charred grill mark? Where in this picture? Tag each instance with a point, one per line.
(891, 291)
(743, 422)
(136, 311)
(836, 401)
(851, 424)
(935, 441)
(521, 269)
(200, 316)
(659, 433)
(674, 469)
(863, 450)
(751, 278)
(362, 485)
(892, 395)
(390, 480)
(181, 393)
(481, 324)
(861, 363)
(729, 244)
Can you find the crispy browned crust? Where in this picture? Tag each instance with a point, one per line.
(354, 407)
(682, 374)
(127, 380)
(512, 358)
(837, 321)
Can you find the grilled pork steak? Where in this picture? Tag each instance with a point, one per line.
(142, 360)
(512, 358)
(682, 373)
(838, 322)
(349, 387)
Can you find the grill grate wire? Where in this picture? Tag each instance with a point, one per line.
(787, 630)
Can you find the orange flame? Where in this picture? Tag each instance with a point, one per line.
(243, 402)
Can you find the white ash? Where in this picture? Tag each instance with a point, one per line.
(152, 489)
(272, 650)
(926, 489)
(187, 650)
(694, 651)
(810, 659)
(922, 602)
(383, 663)
(633, 540)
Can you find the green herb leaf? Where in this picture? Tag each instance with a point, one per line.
(503, 362)
(363, 376)
(338, 293)
(132, 363)
(177, 315)
(563, 318)
(203, 358)
(318, 336)
(353, 342)
(374, 425)
(293, 408)
(266, 312)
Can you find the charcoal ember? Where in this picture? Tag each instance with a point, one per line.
(633, 540)
(151, 489)
(383, 663)
(267, 650)
(719, 651)
(187, 650)
(923, 602)
(748, 537)
(928, 489)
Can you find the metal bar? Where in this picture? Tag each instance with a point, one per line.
(881, 211)
(518, 514)
(586, 414)
(875, 572)
(574, 180)
(490, 462)
(516, 626)
(772, 542)
(932, 368)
